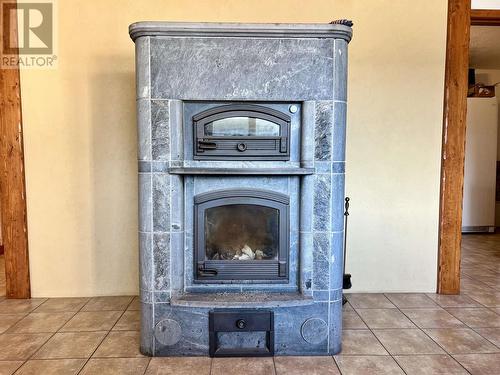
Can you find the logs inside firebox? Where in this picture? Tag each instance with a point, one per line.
(241, 232)
(245, 253)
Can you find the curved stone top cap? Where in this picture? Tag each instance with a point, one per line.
(251, 30)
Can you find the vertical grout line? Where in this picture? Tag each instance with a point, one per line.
(210, 367)
(335, 364)
(170, 199)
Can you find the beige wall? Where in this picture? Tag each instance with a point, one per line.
(80, 139)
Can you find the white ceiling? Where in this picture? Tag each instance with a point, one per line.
(484, 47)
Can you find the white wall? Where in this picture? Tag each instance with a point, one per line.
(490, 77)
(485, 4)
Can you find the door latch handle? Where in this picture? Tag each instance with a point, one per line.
(207, 272)
(206, 145)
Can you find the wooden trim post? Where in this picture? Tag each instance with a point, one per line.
(453, 148)
(485, 17)
(12, 180)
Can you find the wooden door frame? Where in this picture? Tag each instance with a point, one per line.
(12, 178)
(460, 18)
(485, 17)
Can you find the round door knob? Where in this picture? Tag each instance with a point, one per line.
(241, 147)
(240, 323)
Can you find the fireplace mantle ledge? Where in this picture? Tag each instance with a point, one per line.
(241, 300)
(242, 171)
(256, 30)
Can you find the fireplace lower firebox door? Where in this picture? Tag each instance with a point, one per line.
(241, 235)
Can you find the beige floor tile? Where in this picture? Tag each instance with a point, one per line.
(62, 305)
(9, 367)
(470, 286)
(135, 305)
(491, 334)
(243, 366)
(115, 366)
(486, 298)
(407, 341)
(17, 306)
(70, 345)
(411, 300)
(305, 365)
(51, 367)
(129, 321)
(347, 307)
(361, 342)
(453, 301)
(20, 346)
(368, 365)
(430, 364)
(41, 322)
(120, 344)
(8, 320)
(385, 318)
(179, 366)
(92, 321)
(480, 364)
(351, 320)
(432, 318)
(108, 303)
(461, 341)
(479, 318)
(369, 301)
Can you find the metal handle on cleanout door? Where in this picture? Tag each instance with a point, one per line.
(206, 145)
(206, 272)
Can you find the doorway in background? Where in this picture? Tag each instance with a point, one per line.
(460, 18)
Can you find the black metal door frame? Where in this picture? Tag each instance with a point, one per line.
(264, 271)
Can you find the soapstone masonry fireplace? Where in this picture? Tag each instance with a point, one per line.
(241, 133)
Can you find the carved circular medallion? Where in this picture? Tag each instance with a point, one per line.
(314, 330)
(168, 332)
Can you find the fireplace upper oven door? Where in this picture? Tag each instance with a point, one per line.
(241, 132)
(241, 235)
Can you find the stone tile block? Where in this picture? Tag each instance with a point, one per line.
(142, 57)
(322, 202)
(323, 131)
(161, 202)
(161, 258)
(145, 205)
(191, 68)
(144, 129)
(145, 261)
(160, 130)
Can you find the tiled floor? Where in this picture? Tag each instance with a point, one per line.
(383, 333)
